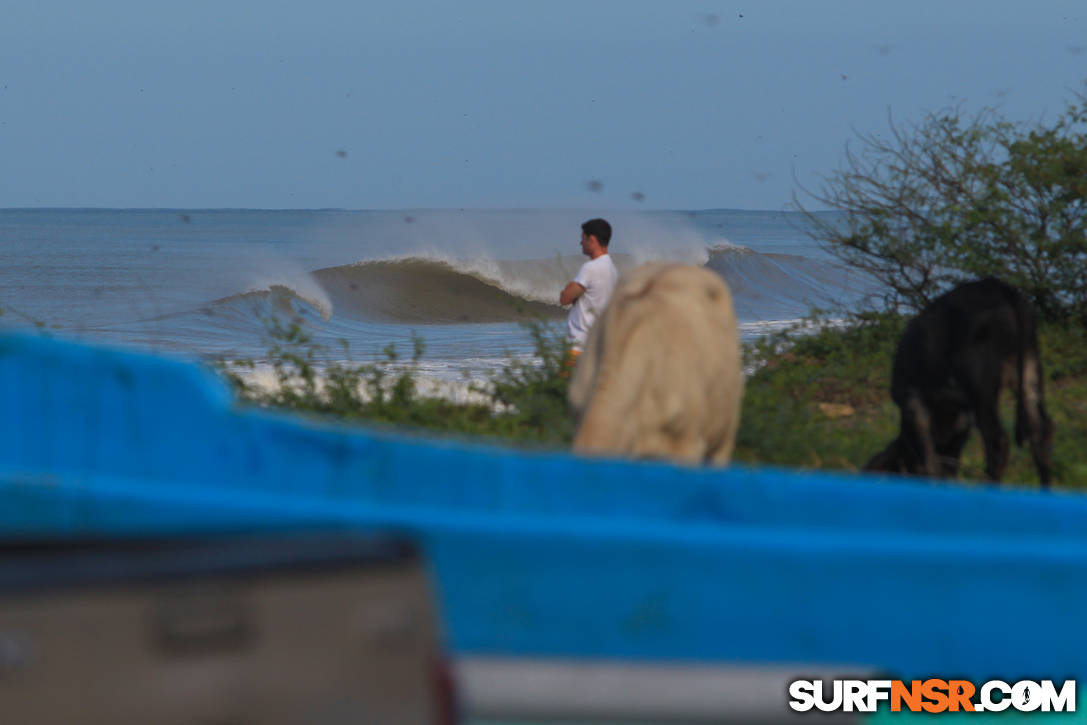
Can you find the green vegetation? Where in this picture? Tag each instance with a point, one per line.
(525, 402)
(818, 398)
(846, 370)
(953, 198)
(945, 200)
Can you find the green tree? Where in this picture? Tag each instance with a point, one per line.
(956, 197)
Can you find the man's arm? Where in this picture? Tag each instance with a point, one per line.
(570, 293)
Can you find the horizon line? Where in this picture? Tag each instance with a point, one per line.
(586, 210)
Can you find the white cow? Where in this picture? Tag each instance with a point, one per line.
(661, 375)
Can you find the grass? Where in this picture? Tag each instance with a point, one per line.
(524, 403)
(818, 399)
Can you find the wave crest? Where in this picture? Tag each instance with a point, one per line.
(426, 290)
(433, 290)
(280, 298)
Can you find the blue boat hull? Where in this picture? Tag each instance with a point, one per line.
(549, 555)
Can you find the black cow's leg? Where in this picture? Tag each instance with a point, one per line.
(980, 376)
(952, 423)
(916, 437)
(951, 452)
(1032, 421)
(1041, 447)
(994, 436)
(1041, 444)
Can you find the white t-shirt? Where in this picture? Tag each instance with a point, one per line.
(598, 277)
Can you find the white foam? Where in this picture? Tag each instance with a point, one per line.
(304, 288)
(262, 379)
(726, 246)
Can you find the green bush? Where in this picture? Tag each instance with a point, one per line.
(524, 402)
(804, 380)
(953, 198)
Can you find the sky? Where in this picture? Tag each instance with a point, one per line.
(485, 104)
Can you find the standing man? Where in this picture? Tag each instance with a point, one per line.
(593, 285)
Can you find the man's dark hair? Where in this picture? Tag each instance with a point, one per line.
(598, 228)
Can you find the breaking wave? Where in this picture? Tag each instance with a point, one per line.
(431, 290)
(434, 291)
(420, 290)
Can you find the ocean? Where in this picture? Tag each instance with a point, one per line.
(206, 283)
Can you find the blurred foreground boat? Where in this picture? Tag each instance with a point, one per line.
(571, 588)
(279, 629)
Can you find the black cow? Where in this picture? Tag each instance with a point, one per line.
(949, 368)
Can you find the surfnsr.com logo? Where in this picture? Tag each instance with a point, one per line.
(932, 695)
